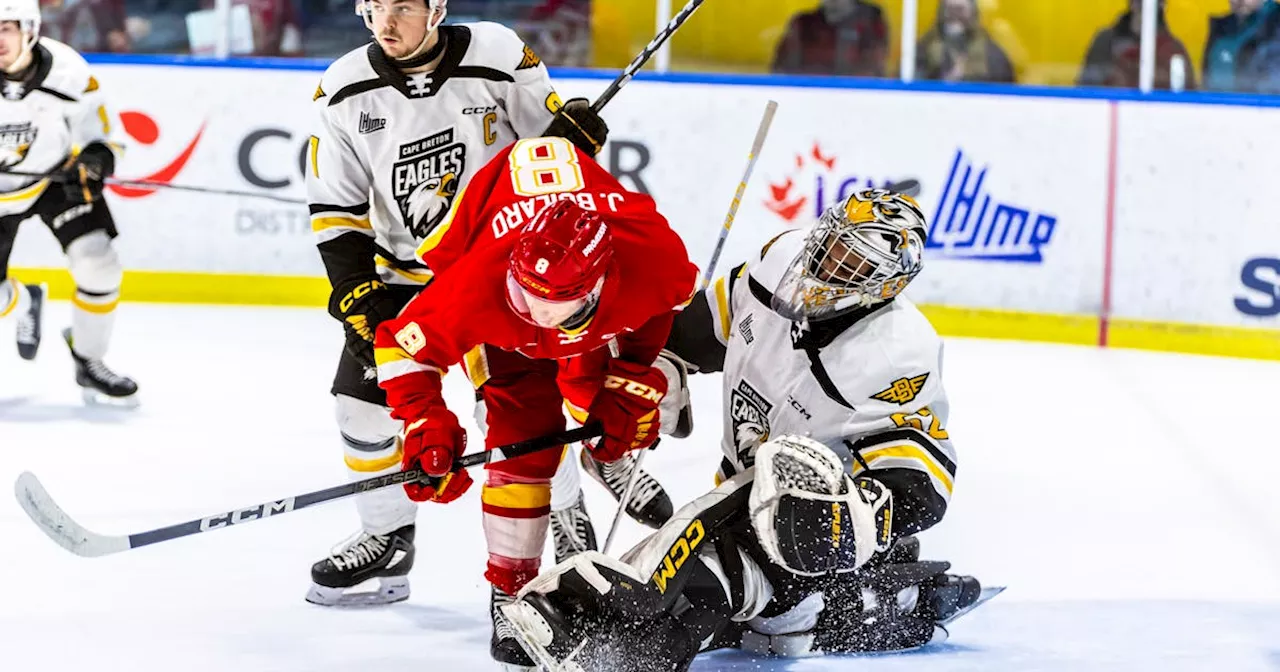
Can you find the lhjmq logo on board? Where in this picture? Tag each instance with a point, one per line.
(973, 223)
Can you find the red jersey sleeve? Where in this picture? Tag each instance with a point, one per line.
(412, 352)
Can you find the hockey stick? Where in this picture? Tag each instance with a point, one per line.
(147, 184)
(757, 146)
(74, 537)
(646, 53)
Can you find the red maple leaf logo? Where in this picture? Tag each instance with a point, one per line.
(830, 163)
(780, 201)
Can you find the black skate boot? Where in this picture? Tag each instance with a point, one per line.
(98, 384)
(29, 332)
(504, 643)
(385, 557)
(572, 531)
(650, 505)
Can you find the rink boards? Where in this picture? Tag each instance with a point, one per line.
(1078, 219)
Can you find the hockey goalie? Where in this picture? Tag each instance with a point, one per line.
(836, 454)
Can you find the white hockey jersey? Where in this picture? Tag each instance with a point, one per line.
(392, 150)
(872, 390)
(44, 119)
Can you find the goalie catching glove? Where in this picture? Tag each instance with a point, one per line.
(432, 443)
(361, 305)
(627, 409)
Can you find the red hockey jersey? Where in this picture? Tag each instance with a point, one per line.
(649, 278)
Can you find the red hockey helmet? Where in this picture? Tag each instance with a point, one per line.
(558, 265)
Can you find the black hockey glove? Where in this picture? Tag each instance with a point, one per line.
(361, 305)
(581, 125)
(83, 177)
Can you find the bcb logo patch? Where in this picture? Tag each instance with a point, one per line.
(678, 554)
(903, 390)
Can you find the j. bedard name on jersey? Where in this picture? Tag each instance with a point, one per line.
(425, 180)
(15, 142)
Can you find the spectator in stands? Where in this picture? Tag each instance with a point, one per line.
(959, 49)
(840, 37)
(87, 25)
(276, 28)
(559, 31)
(1243, 50)
(1114, 56)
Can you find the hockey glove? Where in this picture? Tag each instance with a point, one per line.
(581, 125)
(627, 409)
(84, 176)
(361, 305)
(433, 443)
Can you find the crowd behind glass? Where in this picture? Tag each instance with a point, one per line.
(1219, 45)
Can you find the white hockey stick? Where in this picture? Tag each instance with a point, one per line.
(74, 537)
(757, 145)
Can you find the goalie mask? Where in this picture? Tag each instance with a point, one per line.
(810, 516)
(861, 252)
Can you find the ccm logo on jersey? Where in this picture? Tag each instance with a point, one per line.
(243, 515)
(903, 390)
(633, 388)
(678, 554)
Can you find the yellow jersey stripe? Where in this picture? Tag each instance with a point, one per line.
(25, 193)
(319, 224)
(912, 453)
(476, 364)
(13, 298)
(517, 495)
(388, 355)
(424, 276)
(578, 413)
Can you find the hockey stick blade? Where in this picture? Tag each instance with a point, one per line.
(74, 537)
(58, 526)
(910, 187)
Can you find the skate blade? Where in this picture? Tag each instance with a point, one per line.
(97, 399)
(390, 590)
(983, 598)
(534, 634)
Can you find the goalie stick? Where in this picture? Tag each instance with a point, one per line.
(74, 537)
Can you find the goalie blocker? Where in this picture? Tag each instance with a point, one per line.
(791, 558)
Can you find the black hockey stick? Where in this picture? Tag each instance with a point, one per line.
(69, 534)
(148, 184)
(646, 53)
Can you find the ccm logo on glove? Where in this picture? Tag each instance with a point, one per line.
(634, 388)
(360, 291)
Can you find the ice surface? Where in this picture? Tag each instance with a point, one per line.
(1126, 498)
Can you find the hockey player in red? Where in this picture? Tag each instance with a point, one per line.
(561, 264)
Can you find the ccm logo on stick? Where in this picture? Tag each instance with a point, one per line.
(244, 515)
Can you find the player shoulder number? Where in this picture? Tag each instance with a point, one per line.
(541, 166)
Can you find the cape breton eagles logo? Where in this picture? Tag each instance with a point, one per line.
(749, 412)
(15, 142)
(425, 180)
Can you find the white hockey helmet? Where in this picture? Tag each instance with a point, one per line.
(860, 253)
(435, 12)
(27, 14)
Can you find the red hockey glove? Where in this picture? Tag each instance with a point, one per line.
(433, 443)
(627, 408)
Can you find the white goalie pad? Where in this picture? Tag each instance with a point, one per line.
(810, 515)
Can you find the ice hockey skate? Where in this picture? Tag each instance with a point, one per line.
(650, 505)
(383, 558)
(29, 324)
(572, 531)
(100, 385)
(504, 643)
